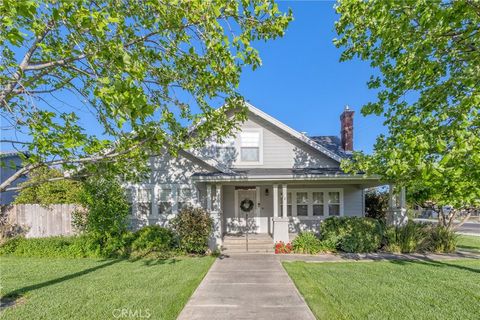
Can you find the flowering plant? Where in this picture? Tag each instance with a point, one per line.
(282, 247)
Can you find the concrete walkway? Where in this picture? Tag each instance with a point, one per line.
(247, 286)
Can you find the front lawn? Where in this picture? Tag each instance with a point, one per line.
(390, 290)
(98, 289)
(470, 243)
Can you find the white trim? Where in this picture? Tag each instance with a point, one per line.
(258, 203)
(309, 192)
(239, 161)
(287, 177)
(293, 132)
(275, 200)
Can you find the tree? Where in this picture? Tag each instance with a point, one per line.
(146, 70)
(376, 204)
(427, 61)
(42, 188)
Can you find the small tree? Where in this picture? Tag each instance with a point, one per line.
(194, 228)
(376, 204)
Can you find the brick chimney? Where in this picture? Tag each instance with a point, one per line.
(346, 122)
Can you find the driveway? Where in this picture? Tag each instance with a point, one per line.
(247, 286)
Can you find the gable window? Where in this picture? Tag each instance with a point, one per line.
(250, 142)
(165, 198)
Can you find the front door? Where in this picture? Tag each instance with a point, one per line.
(249, 225)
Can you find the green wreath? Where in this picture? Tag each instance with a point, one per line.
(246, 205)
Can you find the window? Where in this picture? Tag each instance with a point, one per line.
(184, 198)
(250, 146)
(145, 201)
(129, 195)
(317, 203)
(289, 205)
(302, 204)
(165, 198)
(334, 203)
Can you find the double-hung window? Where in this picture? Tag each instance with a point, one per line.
(317, 203)
(334, 203)
(144, 202)
(250, 146)
(302, 204)
(165, 200)
(184, 198)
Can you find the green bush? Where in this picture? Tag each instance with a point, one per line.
(153, 239)
(419, 237)
(351, 234)
(193, 227)
(307, 242)
(51, 247)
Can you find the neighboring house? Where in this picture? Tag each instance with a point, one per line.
(10, 162)
(294, 181)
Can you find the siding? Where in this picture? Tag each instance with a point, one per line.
(280, 150)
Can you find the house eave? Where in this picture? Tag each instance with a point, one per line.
(273, 178)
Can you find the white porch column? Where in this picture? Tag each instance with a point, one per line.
(275, 200)
(397, 210)
(280, 224)
(216, 214)
(209, 197)
(284, 201)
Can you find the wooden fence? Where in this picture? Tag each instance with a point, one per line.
(53, 220)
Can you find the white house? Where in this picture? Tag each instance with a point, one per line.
(292, 180)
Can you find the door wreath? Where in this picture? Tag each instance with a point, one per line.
(246, 205)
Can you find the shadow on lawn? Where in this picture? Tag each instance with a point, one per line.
(10, 298)
(433, 263)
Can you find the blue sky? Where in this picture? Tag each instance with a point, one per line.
(301, 81)
(303, 84)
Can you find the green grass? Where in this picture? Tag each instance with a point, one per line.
(471, 243)
(96, 289)
(390, 290)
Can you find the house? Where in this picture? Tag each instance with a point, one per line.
(10, 162)
(291, 181)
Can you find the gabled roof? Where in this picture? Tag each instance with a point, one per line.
(332, 143)
(294, 133)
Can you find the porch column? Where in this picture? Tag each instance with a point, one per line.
(216, 215)
(209, 197)
(280, 224)
(284, 200)
(275, 200)
(397, 210)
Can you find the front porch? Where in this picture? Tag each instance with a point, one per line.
(280, 210)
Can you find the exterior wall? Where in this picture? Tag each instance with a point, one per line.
(280, 150)
(352, 206)
(8, 166)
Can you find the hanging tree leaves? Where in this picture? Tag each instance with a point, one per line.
(146, 70)
(427, 54)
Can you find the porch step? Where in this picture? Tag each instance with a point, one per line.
(257, 243)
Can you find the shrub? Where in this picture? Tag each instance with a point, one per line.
(193, 227)
(419, 237)
(282, 247)
(51, 247)
(376, 204)
(351, 234)
(441, 239)
(307, 242)
(153, 239)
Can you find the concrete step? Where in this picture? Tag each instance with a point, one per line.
(250, 250)
(265, 242)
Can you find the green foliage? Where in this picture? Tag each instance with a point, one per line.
(376, 204)
(351, 234)
(106, 203)
(419, 237)
(427, 56)
(51, 247)
(307, 242)
(153, 239)
(193, 227)
(38, 190)
(125, 62)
